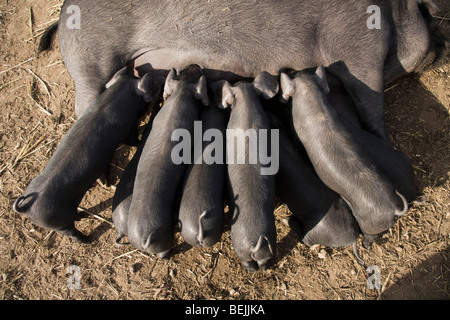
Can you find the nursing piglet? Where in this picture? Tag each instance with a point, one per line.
(159, 175)
(341, 163)
(394, 164)
(251, 192)
(201, 214)
(52, 198)
(319, 215)
(124, 190)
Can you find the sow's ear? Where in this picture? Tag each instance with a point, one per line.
(287, 87)
(321, 79)
(201, 91)
(223, 94)
(169, 85)
(266, 85)
(150, 86)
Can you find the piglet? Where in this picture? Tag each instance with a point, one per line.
(319, 215)
(124, 190)
(250, 192)
(394, 164)
(52, 198)
(159, 177)
(341, 163)
(201, 214)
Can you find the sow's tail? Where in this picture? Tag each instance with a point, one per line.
(46, 39)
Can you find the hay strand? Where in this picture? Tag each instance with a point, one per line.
(17, 65)
(44, 84)
(95, 216)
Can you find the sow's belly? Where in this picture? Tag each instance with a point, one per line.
(217, 67)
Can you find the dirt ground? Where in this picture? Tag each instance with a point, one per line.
(37, 109)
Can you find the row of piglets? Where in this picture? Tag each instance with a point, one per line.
(146, 206)
(337, 179)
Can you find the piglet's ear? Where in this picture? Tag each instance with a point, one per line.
(433, 9)
(217, 92)
(116, 77)
(287, 87)
(228, 97)
(169, 85)
(150, 86)
(201, 91)
(321, 79)
(413, 5)
(266, 85)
